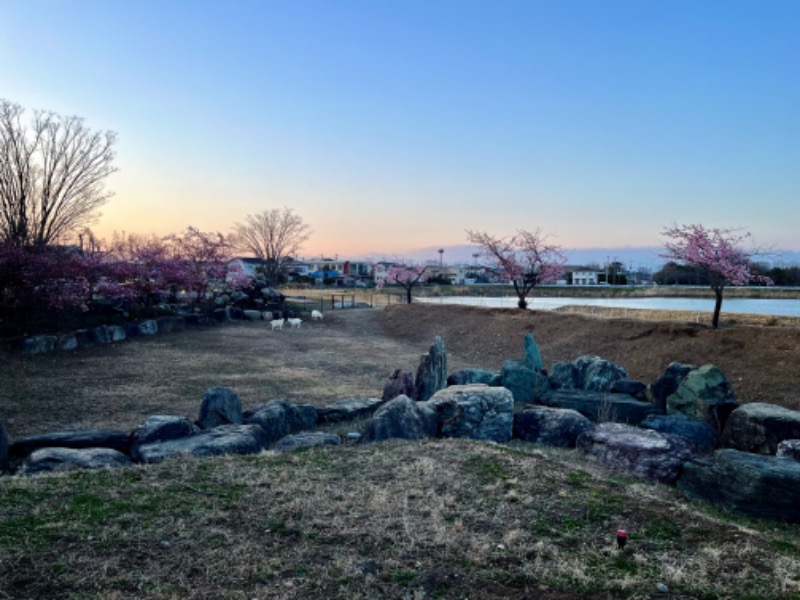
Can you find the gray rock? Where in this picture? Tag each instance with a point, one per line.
(252, 315)
(221, 406)
(631, 387)
(599, 406)
(85, 338)
(66, 342)
(346, 410)
(401, 383)
(704, 394)
(307, 439)
(469, 376)
(749, 484)
(586, 373)
(221, 314)
(403, 418)
(279, 418)
(552, 426)
(225, 439)
(668, 382)
(525, 384)
(4, 464)
(75, 439)
(39, 344)
(165, 324)
(474, 411)
(640, 452)
(432, 372)
(759, 427)
(68, 459)
(532, 355)
(149, 327)
(789, 449)
(160, 428)
(703, 438)
(105, 334)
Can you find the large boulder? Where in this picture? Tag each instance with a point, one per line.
(347, 410)
(432, 372)
(221, 406)
(640, 452)
(106, 334)
(551, 426)
(598, 406)
(759, 427)
(4, 464)
(789, 449)
(474, 411)
(160, 428)
(532, 355)
(307, 439)
(468, 376)
(704, 394)
(403, 418)
(703, 438)
(668, 383)
(586, 373)
(401, 383)
(39, 344)
(634, 388)
(526, 385)
(149, 327)
(67, 459)
(74, 438)
(66, 342)
(750, 484)
(225, 439)
(279, 418)
(252, 315)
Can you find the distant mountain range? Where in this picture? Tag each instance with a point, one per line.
(633, 257)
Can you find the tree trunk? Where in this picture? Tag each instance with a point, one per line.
(717, 307)
(408, 294)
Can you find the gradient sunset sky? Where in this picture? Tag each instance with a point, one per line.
(393, 125)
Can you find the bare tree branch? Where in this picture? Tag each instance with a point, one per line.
(51, 175)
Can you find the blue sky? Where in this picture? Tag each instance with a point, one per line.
(395, 125)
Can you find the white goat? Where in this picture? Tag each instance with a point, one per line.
(316, 315)
(276, 324)
(295, 322)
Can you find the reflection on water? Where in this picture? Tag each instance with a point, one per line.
(786, 308)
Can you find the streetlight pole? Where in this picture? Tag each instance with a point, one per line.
(441, 258)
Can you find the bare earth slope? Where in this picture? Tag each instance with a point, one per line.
(762, 363)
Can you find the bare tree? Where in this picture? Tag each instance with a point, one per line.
(51, 175)
(273, 236)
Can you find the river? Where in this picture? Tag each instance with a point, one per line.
(786, 308)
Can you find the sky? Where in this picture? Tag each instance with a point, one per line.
(395, 125)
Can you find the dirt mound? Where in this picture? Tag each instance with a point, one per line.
(760, 362)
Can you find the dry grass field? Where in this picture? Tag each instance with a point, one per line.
(433, 519)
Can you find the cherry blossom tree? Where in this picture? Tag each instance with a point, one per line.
(719, 253)
(405, 274)
(526, 259)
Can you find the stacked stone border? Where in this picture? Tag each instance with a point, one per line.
(685, 428)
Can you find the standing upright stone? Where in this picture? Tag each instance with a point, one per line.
(3, 450)
(432, 372)
(221, 406)
(401, 383)
(532, 355)
(668, 383)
